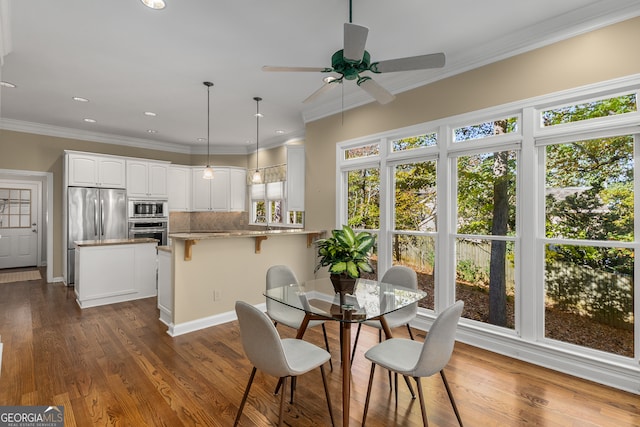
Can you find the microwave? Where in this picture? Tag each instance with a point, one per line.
(148, 208)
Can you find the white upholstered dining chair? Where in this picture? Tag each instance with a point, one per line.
(281, 275)
(282, 358)
(401, 276)
(419, 360)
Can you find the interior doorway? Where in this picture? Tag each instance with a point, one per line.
(40, 186)
(19, 219)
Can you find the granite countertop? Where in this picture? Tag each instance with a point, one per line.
(202, 235)
(108, 242)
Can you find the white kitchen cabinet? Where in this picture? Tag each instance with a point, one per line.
(237, 189)
(147, 179)
(89, 170)
(225, 192)
(295, 178)
(179, 188)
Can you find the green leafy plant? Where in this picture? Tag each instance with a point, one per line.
(346, 252)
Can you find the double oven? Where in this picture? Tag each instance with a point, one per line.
(148, 218)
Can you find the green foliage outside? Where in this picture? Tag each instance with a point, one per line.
(590, 195)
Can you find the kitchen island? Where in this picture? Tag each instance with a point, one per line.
(210, 271)
(114, 270)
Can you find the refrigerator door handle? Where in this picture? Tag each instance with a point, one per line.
(95, 218)
(102, 217)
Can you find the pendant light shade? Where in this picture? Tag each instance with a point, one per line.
(208, 171)
(257, 177)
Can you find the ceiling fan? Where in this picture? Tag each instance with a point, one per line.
(353, 60)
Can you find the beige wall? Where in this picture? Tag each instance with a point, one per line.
(594, 57)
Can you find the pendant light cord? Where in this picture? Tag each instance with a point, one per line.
(257, 99)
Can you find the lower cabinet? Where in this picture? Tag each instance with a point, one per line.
(107, 274)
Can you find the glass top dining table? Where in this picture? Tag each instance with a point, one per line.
(371, 300)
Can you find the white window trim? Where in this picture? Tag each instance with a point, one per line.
(528, 343)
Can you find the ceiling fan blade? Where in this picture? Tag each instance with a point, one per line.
(311, 69)
(420, 62)
(379, 93)
(355, 38)
(322, 90)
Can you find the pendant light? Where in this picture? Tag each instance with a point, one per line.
(257, 177)
(208, 171)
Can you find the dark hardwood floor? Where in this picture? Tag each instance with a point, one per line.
(116, 366)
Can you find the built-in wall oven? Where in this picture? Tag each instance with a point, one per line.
(148, 218)
(154, 229)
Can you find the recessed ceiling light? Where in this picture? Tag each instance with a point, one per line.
(279, 132)
(154, 4)
(152, 131)
(7, 84)
(202, 139)
(150, 113)
(80, 99)
(89, 120)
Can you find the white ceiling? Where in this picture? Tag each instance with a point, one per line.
(128, 59)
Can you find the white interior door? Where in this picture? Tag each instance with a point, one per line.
(18, 224)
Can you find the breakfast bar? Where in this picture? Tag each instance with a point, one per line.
(210, 271)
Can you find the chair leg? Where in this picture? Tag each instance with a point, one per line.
(453, 402)
(284, 386)
(423, 409)
(244, 398)
(326, 343)
(410, 331)
(326, 393)
(293, 387)
(366, 402)
(355, 343)
(395, 375)
(275, 392)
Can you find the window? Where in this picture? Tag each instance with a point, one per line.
(15, 208)
(486, 222)
(363, 196)
(486, 129)
(589, 197)
(545, 262)
(426, 140)
(268, 206)
(589, 110)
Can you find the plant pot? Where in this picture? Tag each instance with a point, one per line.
(343, 284)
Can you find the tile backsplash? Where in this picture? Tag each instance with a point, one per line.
(207, 221)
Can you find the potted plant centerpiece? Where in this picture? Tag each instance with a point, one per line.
(347, 255)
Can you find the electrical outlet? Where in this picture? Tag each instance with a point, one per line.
(217, 295)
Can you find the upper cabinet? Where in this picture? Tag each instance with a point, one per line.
(295, 178)
(237, 189)
(225, 192)
(89, 170)
(147, 179)
(179, 188)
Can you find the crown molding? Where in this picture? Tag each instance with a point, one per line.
(104, 138)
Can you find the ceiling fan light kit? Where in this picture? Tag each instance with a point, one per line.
(353, 60)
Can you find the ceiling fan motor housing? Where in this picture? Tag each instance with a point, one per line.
(350, 69)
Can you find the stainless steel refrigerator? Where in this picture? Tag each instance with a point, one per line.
(93, 214)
